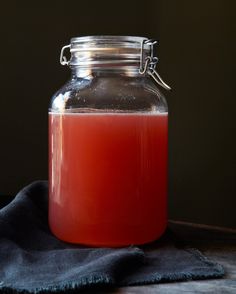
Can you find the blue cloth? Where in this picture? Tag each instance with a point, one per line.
(32, 260)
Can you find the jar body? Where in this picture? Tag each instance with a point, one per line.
(108, 161)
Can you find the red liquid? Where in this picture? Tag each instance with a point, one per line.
(108, 178)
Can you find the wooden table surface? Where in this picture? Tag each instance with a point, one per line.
(219, 244)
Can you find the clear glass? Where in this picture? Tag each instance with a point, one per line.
(108, 157)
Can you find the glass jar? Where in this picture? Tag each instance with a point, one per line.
(108, 145)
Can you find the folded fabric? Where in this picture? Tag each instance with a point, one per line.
(32, 260)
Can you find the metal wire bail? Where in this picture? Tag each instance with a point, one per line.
(63, 59)
(150, 64)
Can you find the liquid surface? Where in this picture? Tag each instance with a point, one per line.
(107, 177)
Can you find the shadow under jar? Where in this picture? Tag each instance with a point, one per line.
(108, 145)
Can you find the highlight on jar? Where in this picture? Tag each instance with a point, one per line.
(108, 137)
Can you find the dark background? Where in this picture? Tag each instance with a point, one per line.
(197, 58)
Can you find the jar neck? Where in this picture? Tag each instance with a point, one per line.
(85, 72)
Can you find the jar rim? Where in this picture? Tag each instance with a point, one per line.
(108, 49)
(108, 40)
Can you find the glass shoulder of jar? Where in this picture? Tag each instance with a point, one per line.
(133, 93)
(110, 94)
(68, 94)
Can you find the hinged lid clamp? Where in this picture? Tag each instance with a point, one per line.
(63, 59)
(149, 64)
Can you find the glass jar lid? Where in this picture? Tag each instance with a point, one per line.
(109, 51)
